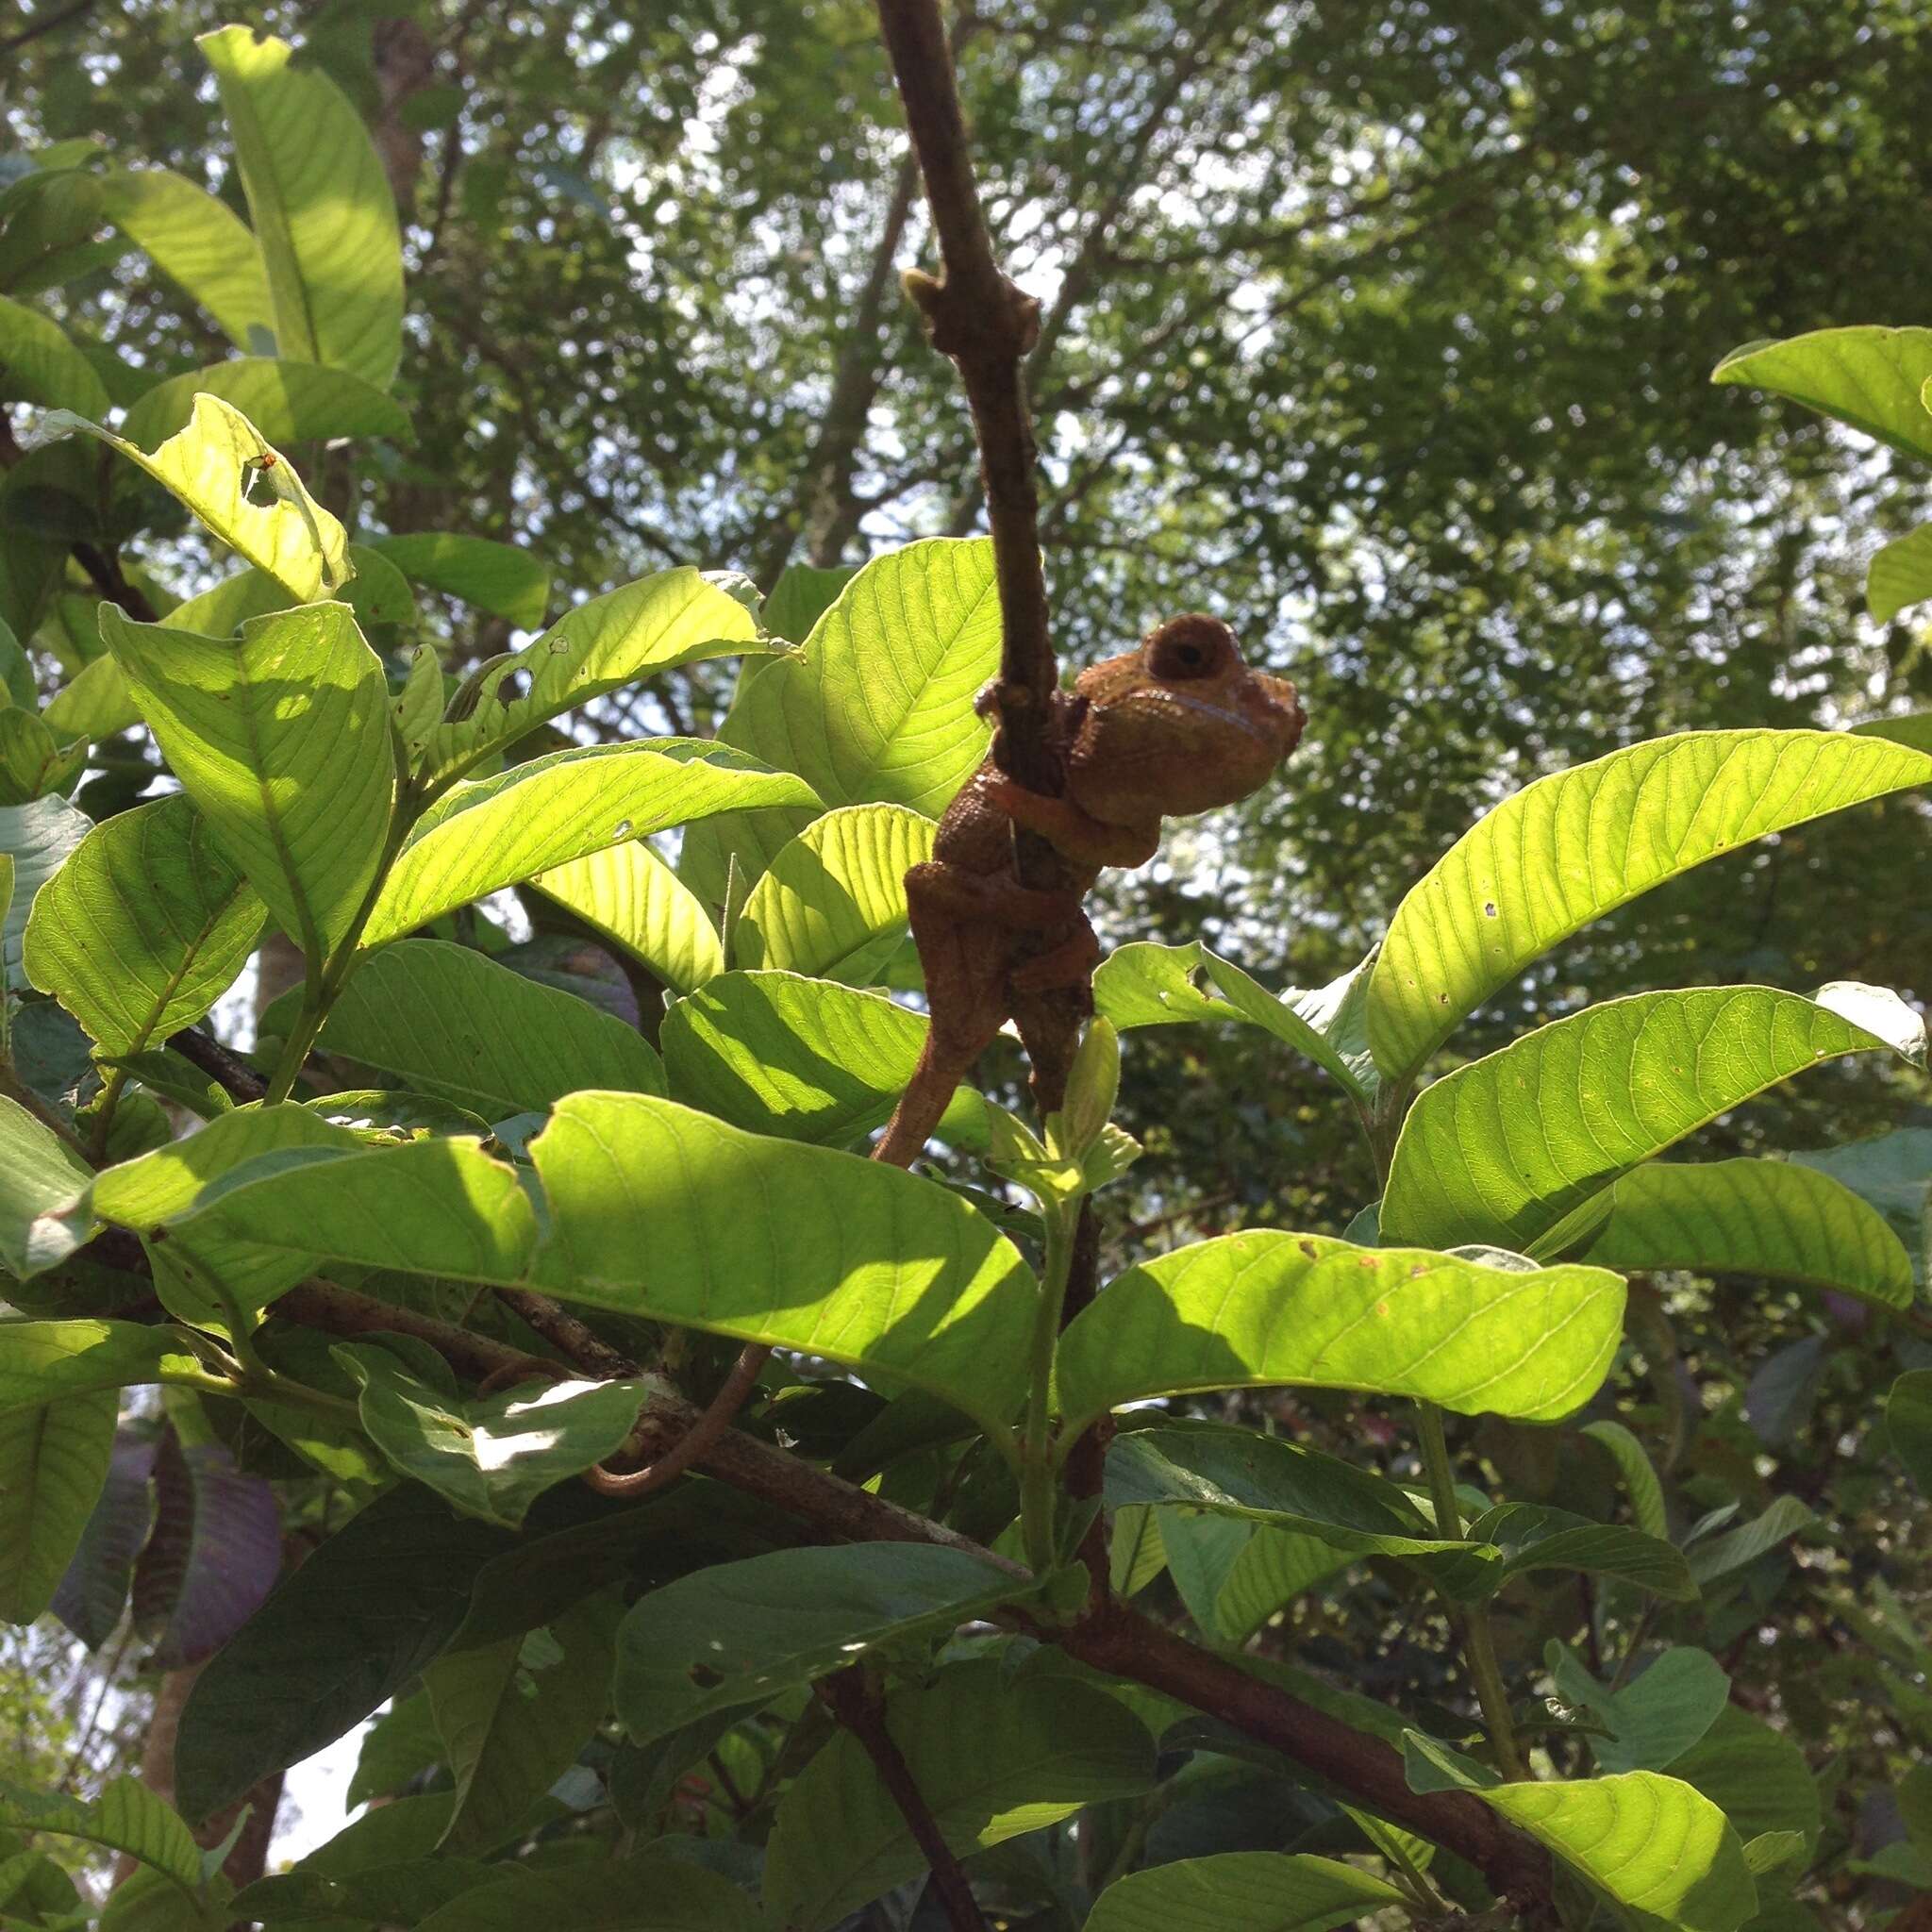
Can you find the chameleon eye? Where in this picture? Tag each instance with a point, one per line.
(1187, 647)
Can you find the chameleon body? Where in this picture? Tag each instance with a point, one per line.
(1177, 725)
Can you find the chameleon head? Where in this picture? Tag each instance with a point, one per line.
(1178, 726)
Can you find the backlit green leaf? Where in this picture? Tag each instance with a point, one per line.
(38, 837)
(833, 903)
(126, 1817)
(446, 1021)
(653, 625)
(736, 1636)
(1908, 1422)
(42, 1178)
(321, 204)
(197, 241)
(216, 467)
(1639, 1478)
(1248, 1310)
(287, 401)
(55, 1459)
(877, 707)
(1575, 845)
(144, 927)
(844, 1258)
(1900, 574)
(635, 900)
(1503, 1150)
(52, 1361)
(1753, 1217)
(39, 364)
(283, 741)
(485, 832)
(1869, 377)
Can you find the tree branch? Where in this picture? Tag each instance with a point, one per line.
(986, 324)
(852, 1698)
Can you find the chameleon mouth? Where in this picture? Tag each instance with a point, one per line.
(1242, 721)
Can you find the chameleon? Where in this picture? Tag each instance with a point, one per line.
(1176, 726)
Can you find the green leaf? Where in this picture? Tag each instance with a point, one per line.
(636, 901)
(358, 1621)
(41, 1179)
(833, 903)
(802, 595)
(656, 1891)
(56, 1458)
(993, 1758)
(494, 1457)
(283, 741)
(1900, 574)
(844, 1258)
(1570, 847)
(211, 466)
(196, 242)
(496, 577)
(126, 1817)
(321, 206)
(1265, 1480)
(878, 706)
(1869, 377)
(485, 832)
(806, 1059)
(39, 365)
(1759, 1778)
(1655, 1718)
(39, 837)
(53, 1361)
(1892, 1172)
(1908, 1423)
(1753, 1217)
(1914, 729)
(433, 1207)
(446, 1021)
(1503, 1150)
(143, 929)
(653, 625)
(738, 1634)
(1532, 1537)
(1654, 1843)
(1718, 1555)
(33, 762)
(1273, 1568)
(511, 1729)
(1253, 1310)
(1241, 1891)
(1639, 1478)
(287, 401)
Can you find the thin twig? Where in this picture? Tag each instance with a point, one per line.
(854, 1700)
(45, 24)
(234, 1076)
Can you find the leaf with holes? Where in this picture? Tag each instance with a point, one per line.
(1250, 1311)
(1521, 1149)
(878, 706)
(213, 466)
(653, 625)
(282, 740)
(1577, 845)
(448, 1022)
(486, 833)
(833, 903)
(323, 215)
(1753, 1217)
(639, 904)
(144, 927)
(842, 1257)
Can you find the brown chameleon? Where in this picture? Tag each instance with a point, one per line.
(1176, 726)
